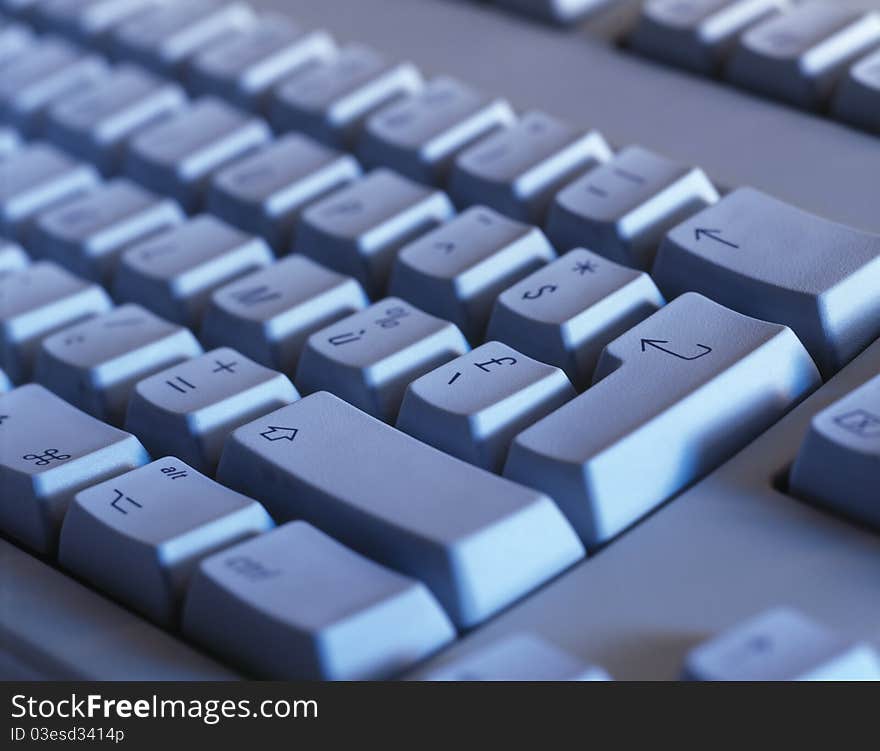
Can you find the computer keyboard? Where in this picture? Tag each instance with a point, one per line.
(316, 363)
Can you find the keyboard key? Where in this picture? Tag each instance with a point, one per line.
(662, 413)
(698, 34)
(265, 193)
(87, 20)
(174, 273)
(798, 56)
(94, 365)
(563, 12)
(458, 270)
(565, 313)
(49, 452)
(140, 536)
(478, 541)
(177, 157)
(89, 234)
(371, 357)
(269, 315)
(519, 169)
(35, 178)
(96, 124)
(331, 100)
(188, 410)
(520, 657)
(167, 37)
(322, 611)
(857, 99)
(838, 465)
(359, 229)
(420, 136)
(474, 406)
(12, 258)
(244, 67)
(36, 302)
(782, 645)
(623, 209)
(40, 76)
(764, 258)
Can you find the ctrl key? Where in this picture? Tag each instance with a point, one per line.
(295, 604)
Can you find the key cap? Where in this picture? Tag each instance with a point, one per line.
(764, 258)
(566, 312)
(41, 75)
(49, 452)
(89, 234)
(167, 37)
(35, 178)
(474, 406)
(698, 35)
(476, 540)
(246, 66)
(323, 611)
(188, 410)
(519, 169)
(269, 315)
(857, 99)
(265, 193)
(15, 38)
(140, 536)
(12, 258)
(359, 229)
(458, 270)
(781, 645)
(562, 12)
(664, 411)
(838, 465)
(36, 302)
(520, 657)
(798, 56)
(88, 20)
(420, 136)
(95, 365)
(174, 273)
(177, 157)
(371, 357)
(331, 100)
(5, 384)
(623, 209)
(96, 124)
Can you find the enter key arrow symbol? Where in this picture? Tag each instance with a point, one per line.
(713, 234)
(657, 344)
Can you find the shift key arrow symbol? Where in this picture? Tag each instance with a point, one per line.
(713, 234)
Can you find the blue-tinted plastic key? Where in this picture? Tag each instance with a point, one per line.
(474, 406)
(269, 315)
(457, 270)
(178, 156)
(857, 97)
(88, 235)
(359, 229)
(332, 100)
(87, 20)
(35, 178)
(48, 452)
(190, 408)
(96, 124)
(94, 365)
(42, 74)
(140, 536)
(371, 357)
(421, 135)
(322, 612)
(478, 541)
(245, 67)
(519, 169)
(782, 645)
(566, 312)
(174, 273)
(36, 302)
(265, 193)
(12, 258)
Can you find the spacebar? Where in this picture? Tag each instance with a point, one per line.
(59, 629)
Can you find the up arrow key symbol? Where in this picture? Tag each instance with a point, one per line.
(274, 433)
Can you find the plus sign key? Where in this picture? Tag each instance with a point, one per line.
(189, 409)
(48, 452)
